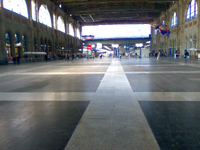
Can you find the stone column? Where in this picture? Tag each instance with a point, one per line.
(198, 19)
(20, 52)
(12, 45)
(3, 54)
(182, 26)
(30, 41)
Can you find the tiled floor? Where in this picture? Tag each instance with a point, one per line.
(108, 104)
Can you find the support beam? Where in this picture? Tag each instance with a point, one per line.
(91, 18)
(82, 18)
(116, 1)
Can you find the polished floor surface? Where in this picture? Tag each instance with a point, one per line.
(101, 104)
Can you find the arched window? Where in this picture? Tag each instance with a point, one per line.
(174, 20)
(8, 44)
(49, 46)
(17, 6)
(17, 45)
(24, 43)
(78, 34)
(71, 30)
(192, 10)
(60, 24)
(35, 44)
(33, 7)
(44, 16)
(42, 44)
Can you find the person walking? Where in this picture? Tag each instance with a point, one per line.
(158, 56)
(100, 56)
(72, 57)
(68, 56)
(46, 57)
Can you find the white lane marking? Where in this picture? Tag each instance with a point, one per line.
(46, 96)
(66, 73)
(105, 117)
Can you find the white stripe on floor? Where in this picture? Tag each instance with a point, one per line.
(113, 120)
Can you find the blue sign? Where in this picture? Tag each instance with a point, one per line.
(127, 47)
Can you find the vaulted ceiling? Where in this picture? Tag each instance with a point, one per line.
(96, 12)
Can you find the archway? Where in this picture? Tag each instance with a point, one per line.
(35, 44)
(173, 46)
(50, 46)
(17, 45)
(8, 47)
(24, 47)
(41, 45)
(45, 45)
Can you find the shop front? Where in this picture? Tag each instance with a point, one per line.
(194, 53)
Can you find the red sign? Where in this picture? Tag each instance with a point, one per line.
(186, 25)
(89, 47)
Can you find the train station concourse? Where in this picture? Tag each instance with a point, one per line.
(63, 87)
(106, 103)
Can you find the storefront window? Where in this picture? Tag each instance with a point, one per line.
(17, 6)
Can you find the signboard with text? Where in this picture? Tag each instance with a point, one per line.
(89, 47)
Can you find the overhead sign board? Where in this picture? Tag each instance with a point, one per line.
(89, 47)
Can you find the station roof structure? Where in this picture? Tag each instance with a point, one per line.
(97, 12)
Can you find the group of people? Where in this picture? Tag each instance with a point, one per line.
(155, 54)
(67, 57)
